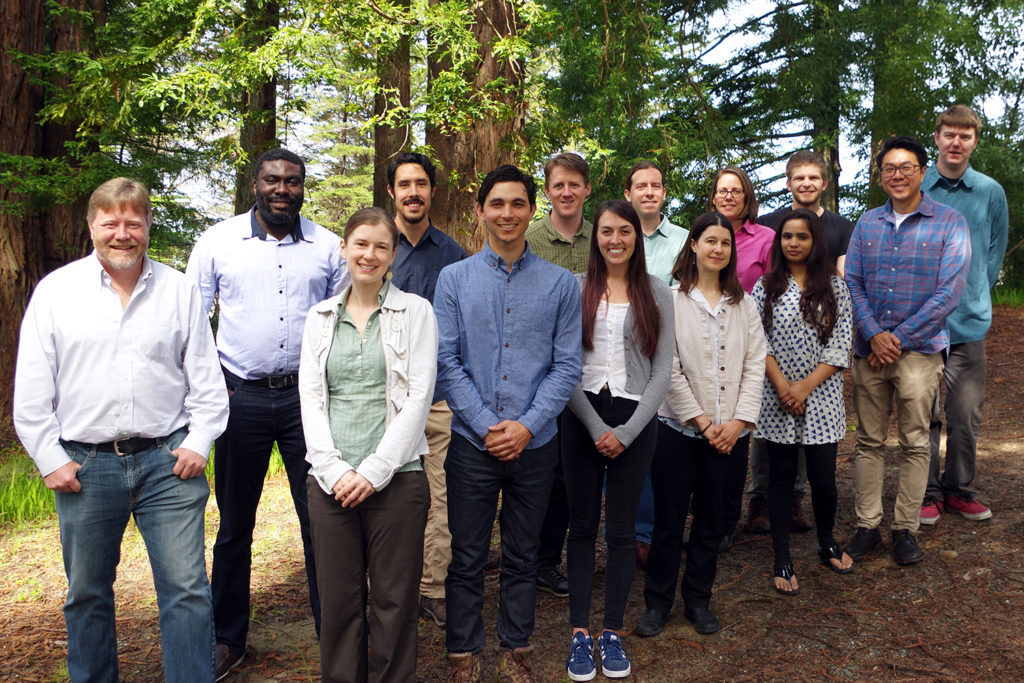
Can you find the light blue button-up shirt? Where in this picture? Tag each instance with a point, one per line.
(983, 203)
(662, 247)
(510, 343)
(264, 288)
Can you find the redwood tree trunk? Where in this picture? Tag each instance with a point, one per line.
(33, 240)
(464, 157)
(389, 141)
(259, 107)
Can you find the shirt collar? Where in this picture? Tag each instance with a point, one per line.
(496, 261)
(430, 234)
(381, 295)
(926, 207)
(147, 269)
(260, 233)
(967, 179)
(555, 236)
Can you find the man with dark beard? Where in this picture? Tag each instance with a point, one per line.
(422, 252)
(266, 268)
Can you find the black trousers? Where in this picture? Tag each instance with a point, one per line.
(685, 468)
(821, 473)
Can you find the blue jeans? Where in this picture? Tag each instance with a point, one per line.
(475, 478)
(259, 417)
(168, 512)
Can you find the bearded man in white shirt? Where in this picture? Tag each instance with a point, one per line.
(118, 397)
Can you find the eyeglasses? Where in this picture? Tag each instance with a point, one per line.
(906, 170)
(726, 191)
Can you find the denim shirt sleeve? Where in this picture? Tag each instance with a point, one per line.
(566, 363)
(461, 393)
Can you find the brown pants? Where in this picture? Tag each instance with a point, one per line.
(437, 540)
(910, 383)
(382, 537)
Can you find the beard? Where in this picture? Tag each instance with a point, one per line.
(273, 217)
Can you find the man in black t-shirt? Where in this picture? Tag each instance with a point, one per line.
(806, 180)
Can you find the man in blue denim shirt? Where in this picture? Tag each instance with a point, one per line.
(509, 357)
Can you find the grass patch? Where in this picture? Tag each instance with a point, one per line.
(1009, 296)
(23, 495)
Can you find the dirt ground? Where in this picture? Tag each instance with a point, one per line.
(954, 617)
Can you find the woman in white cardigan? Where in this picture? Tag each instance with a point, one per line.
(713, 403)
(366, 379)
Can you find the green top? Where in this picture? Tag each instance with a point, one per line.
(549, 245)
(356, 386)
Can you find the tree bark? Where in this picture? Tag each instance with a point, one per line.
(33, 240)
(258, 108)
(388, 140)
(464, 157)
(825, 119)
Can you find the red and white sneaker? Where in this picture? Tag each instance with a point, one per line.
(968, 507)
(931, 511)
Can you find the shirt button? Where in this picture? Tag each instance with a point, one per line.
(282, 319)
(508, 310)
(506, 345)
(722, 368)
(721, 388)
(504, 377)
(501, 409)
(722, 347)
(282, 346)
(280, 291)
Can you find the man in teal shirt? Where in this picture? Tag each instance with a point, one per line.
(982, 201)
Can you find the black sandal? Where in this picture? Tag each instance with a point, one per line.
(833, 552)
(785, 572)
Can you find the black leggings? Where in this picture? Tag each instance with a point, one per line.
(821, 473)
(585, 471)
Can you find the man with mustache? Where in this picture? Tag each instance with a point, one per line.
(265, 268)
(423, 251)
(117, 397)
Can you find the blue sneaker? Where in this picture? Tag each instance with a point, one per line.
(614, 662)
(580, 665)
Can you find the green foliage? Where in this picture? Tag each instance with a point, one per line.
(23, 495)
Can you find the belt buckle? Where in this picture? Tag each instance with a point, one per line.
(277, 382)
(117, 448)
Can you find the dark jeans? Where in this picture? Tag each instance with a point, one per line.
(475, 479)
(964, 375)
(685, 467)
(821, 473)
(735, 485)
(259, 417)
(382, 538)
(556, 517)
(587, 468)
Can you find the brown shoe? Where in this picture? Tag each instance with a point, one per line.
(514, 666)
(227, 659)
(463, 667)
(434, 608)
(799, 522)
(642, 551)
(758, 521)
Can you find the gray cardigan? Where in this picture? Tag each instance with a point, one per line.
(648, 377)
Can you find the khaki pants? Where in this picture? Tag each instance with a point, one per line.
(437, 540)
(912, 382)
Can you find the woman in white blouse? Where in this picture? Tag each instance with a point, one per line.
(366, 379)
(713, 402)
(609, 428)
(806, 311)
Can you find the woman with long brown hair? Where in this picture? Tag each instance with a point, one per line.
(609, 428)
(713, 402)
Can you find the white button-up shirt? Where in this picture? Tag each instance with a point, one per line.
(264, 289)
(89, 371)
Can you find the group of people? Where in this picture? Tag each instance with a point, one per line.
(408, 386)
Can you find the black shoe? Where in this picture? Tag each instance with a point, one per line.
(862, 543)
(227, 659)
(704, 622)
(651, 623)
(905, 549)
(725, 544)
(550, 580)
